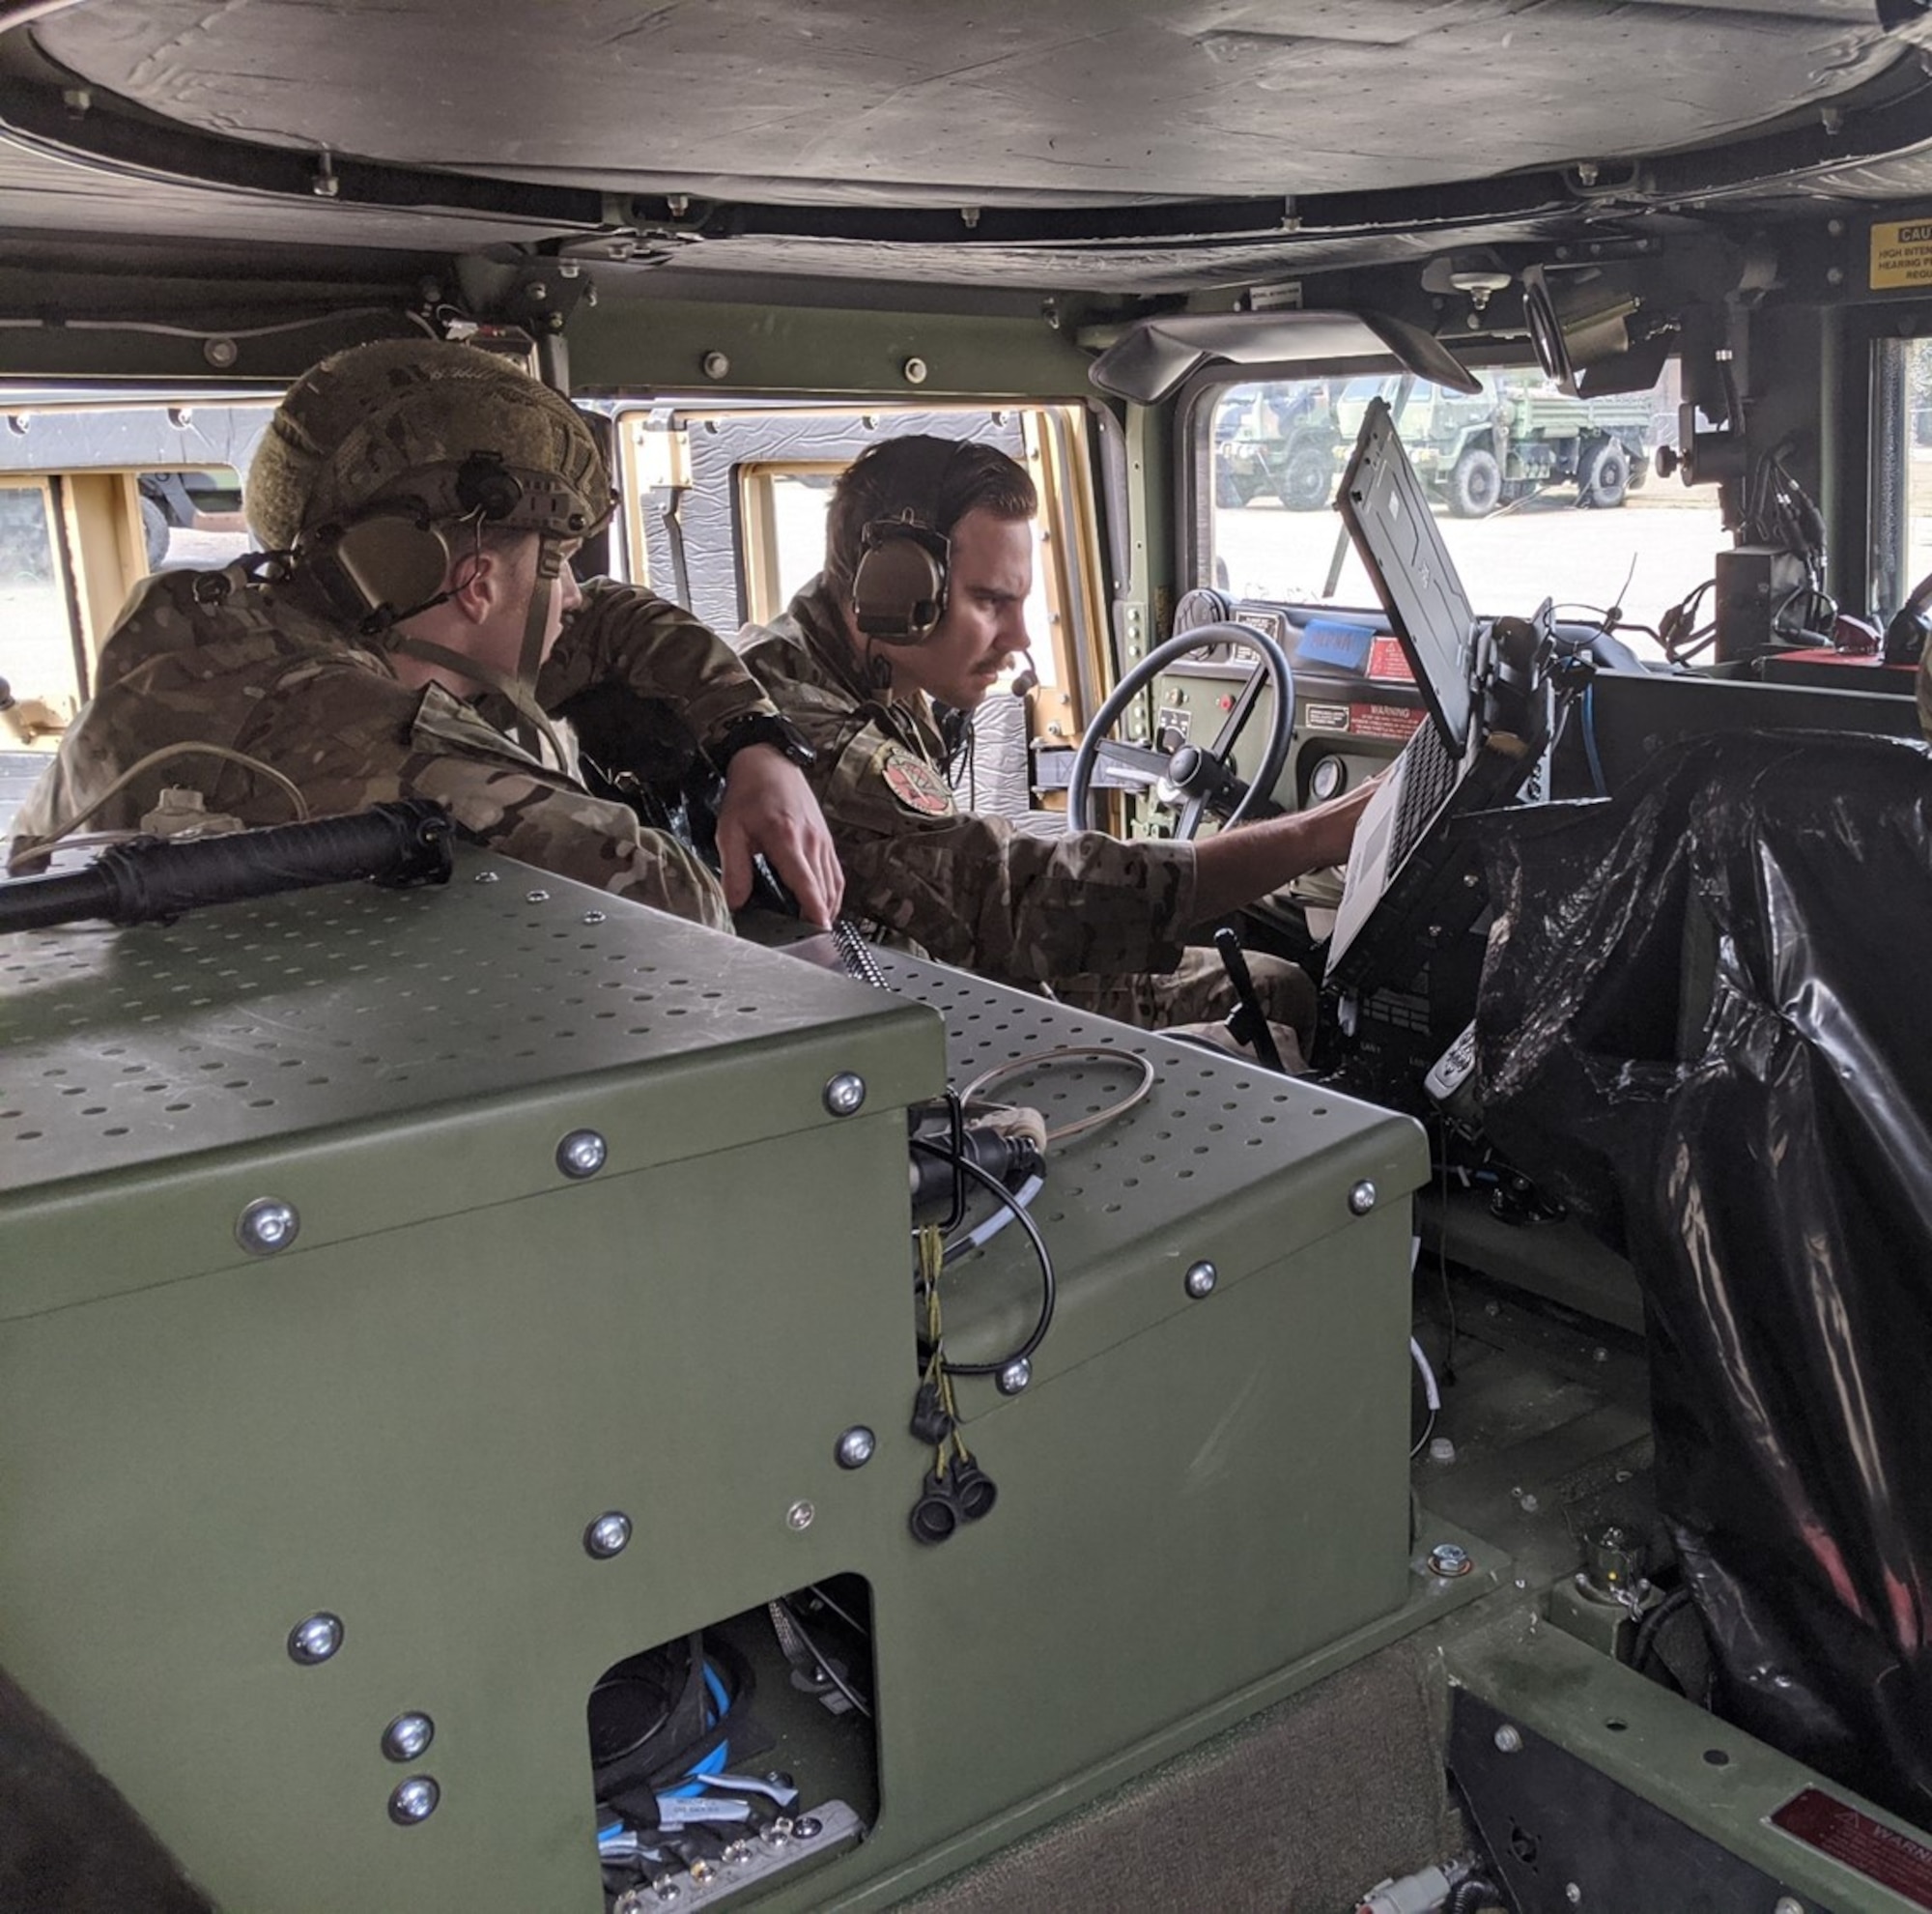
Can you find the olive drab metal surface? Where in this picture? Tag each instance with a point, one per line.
(510, 1209)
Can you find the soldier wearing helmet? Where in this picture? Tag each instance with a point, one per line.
(423, 500)
(881, 664)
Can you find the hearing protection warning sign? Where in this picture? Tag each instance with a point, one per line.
(1901, 253)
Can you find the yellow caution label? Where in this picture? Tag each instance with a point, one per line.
(1901, 253)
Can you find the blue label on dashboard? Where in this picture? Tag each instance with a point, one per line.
(1332, 642)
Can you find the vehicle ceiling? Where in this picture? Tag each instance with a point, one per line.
(1106, 150)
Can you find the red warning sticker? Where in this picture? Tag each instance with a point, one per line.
(1386, 661)
(1383, 720)
(1867, 1846)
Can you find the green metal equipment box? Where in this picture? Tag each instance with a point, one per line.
(364, 1250)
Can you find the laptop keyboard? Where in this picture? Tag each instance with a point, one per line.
(1429, 780)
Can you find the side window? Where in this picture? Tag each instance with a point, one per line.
(726, 511)
(192, 518)
(1538, 493)
(95, 494)
(1917, 439)
(38, 656)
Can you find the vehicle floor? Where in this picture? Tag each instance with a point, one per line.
(1302, 1808)
(1546, 1418)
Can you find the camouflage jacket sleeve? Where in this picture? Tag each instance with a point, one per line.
(624, 635)
(974, 891)
(347, 748)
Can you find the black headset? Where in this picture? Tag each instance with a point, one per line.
(899, 584)
(391, 563)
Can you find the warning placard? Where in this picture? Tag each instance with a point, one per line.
(1901, 253)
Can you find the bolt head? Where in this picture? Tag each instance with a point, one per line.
(1529, 1503)
(1015, 1377)
(593, 917)
(268, 1224)
(855, 1447)
(316, 1640)
(1788, 1903)
(582, 1154)
(799, 1517)
(406, 1737)
(777, 1833)
(1599, 1354)
(1448, 1560)
(1201, 1279)
(221, 354)
(536, 896)
(1509, 1739)
(915, 371)
(1573, 1894)
(413, 1801)
(808, 1827)
(715, 365)
(1441, 1449)
(844, 1092)
(486, 877)
(609, 1535)
(1362, 1198)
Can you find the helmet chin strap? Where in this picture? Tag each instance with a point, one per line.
(536, 622)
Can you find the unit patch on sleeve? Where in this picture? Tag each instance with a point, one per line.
(914, 783)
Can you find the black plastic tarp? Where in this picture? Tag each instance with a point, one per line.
(1704, 1025)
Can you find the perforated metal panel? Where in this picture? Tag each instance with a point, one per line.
(337, 1006)
(284, 1047)
(1222, 1161)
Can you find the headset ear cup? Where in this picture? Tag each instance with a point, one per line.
(380, 567)
(899, 586)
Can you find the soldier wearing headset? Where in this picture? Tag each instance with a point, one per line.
(421, 503)
(918, 610)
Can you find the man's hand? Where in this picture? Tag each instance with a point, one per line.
(1237, 867)
(1331, 828)
(769, 807)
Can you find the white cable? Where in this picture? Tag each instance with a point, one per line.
(998, 1220)
(1431, 1394)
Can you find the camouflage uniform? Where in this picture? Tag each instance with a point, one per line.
(1101, 922)
(267, 673)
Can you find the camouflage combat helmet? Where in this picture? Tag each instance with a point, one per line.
(432, 429)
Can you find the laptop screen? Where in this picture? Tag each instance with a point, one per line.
(1388, 516)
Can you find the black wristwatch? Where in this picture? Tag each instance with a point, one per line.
(762, 727)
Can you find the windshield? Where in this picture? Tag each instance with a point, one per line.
(1536, 494)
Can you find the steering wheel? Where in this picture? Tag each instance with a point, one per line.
(1201, 777)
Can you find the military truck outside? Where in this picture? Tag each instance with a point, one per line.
(1518, 435)
(1277, 441)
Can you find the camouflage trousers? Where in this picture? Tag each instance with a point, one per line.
(1198, 993)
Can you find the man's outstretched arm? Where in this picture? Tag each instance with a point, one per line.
(1240, 866)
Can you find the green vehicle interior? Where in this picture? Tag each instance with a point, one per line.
(459, 1339)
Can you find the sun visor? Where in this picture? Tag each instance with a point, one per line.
(1152, 356)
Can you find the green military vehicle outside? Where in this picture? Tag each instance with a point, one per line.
(1480, 450)
(1277, 441)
